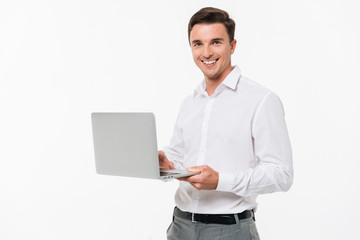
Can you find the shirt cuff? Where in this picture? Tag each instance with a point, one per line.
(226, 182)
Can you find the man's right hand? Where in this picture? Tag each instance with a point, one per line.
(164, 161)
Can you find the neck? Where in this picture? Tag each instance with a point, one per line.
(213, 83)
(211, 86)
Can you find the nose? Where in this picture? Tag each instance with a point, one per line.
(207, 53)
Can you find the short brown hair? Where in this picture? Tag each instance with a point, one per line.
(210, 15)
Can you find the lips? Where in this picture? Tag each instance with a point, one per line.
(209, 62)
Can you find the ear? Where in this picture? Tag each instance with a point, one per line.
(232, 46)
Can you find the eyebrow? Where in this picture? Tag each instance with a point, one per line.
(212, 40)
(195, 41)
(217, 39)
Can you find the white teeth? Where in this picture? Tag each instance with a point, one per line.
(209, 62)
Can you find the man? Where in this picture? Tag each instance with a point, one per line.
(233, 131)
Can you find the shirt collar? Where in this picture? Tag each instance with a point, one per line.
(231, 81)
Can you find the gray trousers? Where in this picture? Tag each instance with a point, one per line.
(183, 229)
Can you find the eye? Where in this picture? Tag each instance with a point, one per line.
(197, 44)
(216, 42)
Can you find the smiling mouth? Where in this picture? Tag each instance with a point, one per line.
(210, 62)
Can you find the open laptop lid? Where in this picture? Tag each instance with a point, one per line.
(125, 144)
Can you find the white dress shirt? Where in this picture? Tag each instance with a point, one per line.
(238, 131)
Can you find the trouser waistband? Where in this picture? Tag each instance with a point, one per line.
(213, 218)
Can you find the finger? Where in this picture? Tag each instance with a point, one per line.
(181, 179)
(196, 186)
(195, 169)
(190, 179)
(172, 166)
(185, 179)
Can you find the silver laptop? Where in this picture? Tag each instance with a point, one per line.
(125, 144)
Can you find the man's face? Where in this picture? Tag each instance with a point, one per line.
(212, 50)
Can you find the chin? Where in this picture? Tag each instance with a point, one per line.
(211, 75)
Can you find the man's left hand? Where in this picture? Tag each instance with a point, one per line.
(207, 179)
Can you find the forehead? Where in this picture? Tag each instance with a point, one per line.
(207, 32)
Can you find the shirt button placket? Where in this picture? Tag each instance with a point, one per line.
(204, 130)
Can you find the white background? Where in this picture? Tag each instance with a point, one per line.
(62, 60)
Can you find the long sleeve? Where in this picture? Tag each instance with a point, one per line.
(175, 150)
(272, 150)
